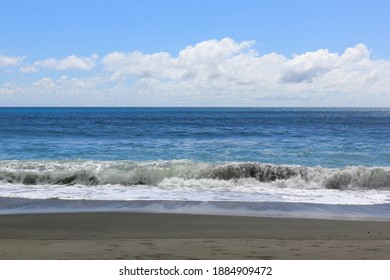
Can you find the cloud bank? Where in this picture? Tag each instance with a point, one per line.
(216, 73)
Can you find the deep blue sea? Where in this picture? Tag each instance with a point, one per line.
(241, 158)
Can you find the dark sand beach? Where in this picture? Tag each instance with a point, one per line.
(179, 236)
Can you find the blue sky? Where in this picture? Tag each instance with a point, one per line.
(321, 53)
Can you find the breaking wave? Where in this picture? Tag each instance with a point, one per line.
(127, 173)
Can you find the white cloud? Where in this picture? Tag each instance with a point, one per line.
(192, 62)
(306, 67)
(44, 84)
(71, 62)
(6, 61)
(62, 91)
(65, 85)
(11, 88)
(238, 71)
(28, 69)
(220, 72)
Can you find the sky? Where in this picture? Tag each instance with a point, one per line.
(195, 53)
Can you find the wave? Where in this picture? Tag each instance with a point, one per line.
(128, 173)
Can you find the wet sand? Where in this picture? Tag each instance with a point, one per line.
(181, 236)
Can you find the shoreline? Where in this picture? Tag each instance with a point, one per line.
(263, 209)
(121, 235)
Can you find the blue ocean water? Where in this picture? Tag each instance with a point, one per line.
(333, 137)
(237, 160)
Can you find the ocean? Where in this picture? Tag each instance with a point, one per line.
(295, 162)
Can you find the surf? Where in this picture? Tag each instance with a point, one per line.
(128, 173)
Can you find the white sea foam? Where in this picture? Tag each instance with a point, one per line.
(184, 180)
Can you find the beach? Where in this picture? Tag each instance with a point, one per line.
(136, 236)
(194, 183)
